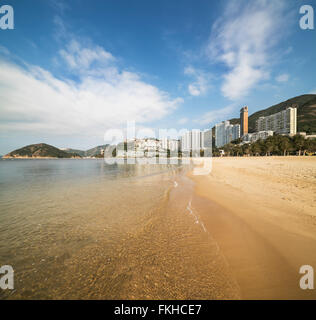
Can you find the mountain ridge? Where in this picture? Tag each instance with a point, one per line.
(87, 153)
(37, 151)
(306, 113)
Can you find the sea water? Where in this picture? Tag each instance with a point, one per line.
(84, 229)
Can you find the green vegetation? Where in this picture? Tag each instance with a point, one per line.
(81, 153)
(41, 150)
(275, 145)
(93, 152)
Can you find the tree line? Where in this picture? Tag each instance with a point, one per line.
(276, 145)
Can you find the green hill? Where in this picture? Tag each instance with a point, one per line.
(41, 150)
(81, 153)
(93, 152)
(306, 113)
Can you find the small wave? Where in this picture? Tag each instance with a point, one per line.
(202, 224)
(197, 221)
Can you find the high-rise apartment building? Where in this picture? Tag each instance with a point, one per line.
(186, 141)
(234, 132)
(225, 133)
(196, 140)
(170, 144)
(283, 122)
(206, 142)
(244, 120)
(220, 133)
(207, 137)
(174, 145)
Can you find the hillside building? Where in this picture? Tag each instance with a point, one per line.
(283, 122)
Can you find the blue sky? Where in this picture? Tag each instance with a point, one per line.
(71, 70)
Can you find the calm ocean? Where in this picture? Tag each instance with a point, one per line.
(83, 229)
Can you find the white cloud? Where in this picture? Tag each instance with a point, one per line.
(194, 90)
(282, 78)
(33, 100)
(183, 121)
(201, 84)
(58, 5)
(242, 39)
(82, 59)
(213, 116)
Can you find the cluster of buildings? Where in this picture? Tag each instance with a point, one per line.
(191, 143)
(194, 142)
(283, 122)
(225, 133)
(139, 148)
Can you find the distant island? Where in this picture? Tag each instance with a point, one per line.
(46, 151)
(39, 151)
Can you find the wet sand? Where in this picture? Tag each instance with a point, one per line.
(262, 216)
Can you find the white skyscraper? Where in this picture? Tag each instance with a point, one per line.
(220, 133)
(225, 133)
(206, 142)
(235, 132)
(186, 141)
(164, 144)
(196, 140)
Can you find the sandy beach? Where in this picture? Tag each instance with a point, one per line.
(262, 215)
(87, 230)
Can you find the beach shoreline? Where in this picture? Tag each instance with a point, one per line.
(107, 232)
(261, 212)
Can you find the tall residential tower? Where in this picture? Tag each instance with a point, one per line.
(243, 121)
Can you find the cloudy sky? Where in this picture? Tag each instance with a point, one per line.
(71, 70)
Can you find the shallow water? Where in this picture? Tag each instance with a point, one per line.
(82, 229)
